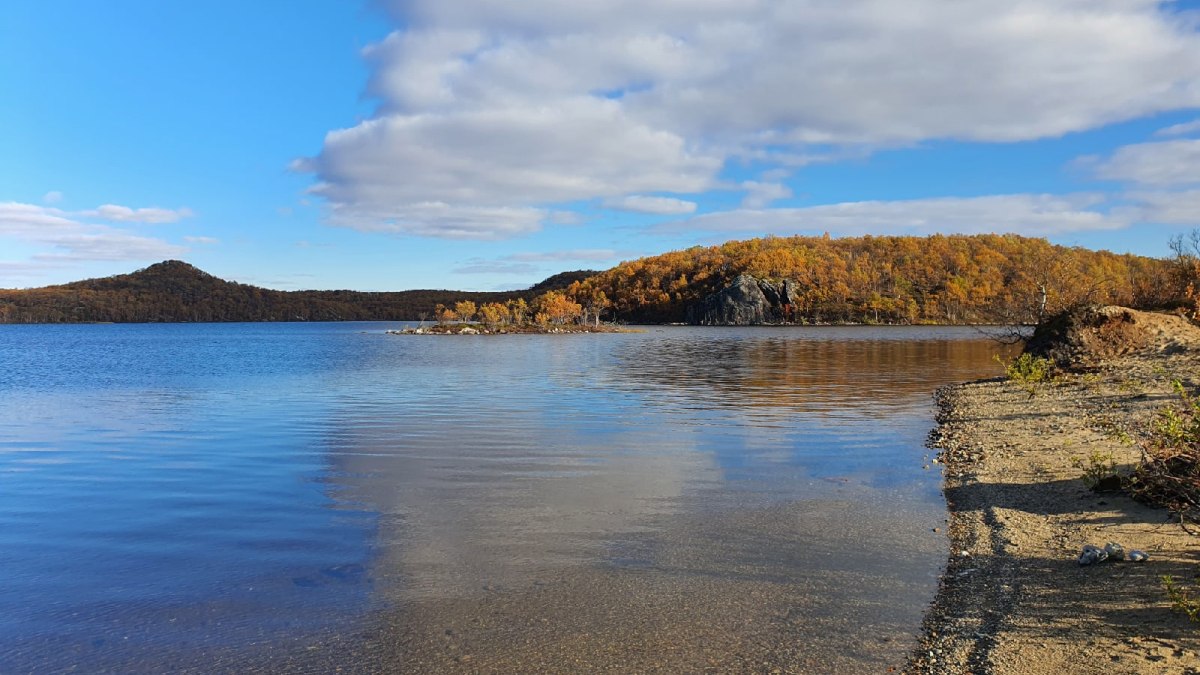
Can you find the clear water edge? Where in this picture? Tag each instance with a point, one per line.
(171, 490)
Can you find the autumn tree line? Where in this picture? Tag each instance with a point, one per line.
(955, 279)
(552, 308)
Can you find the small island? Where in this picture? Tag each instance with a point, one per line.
(551, 312)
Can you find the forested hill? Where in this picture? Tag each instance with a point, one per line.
(936, 279)
(175, 291)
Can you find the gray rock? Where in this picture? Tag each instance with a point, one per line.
(1138, 556)
(1091, 555)
(746, 301)
(1114, 550)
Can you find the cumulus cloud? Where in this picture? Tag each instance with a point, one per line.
(66, 236)
(1028, 214)
(1162, 163)
(1180, 129)
(149, 216)
(201, 240)
(52, 197)
(578, 254)
(517, 106)
(660, 206)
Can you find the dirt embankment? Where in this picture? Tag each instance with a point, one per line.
(1013, 598)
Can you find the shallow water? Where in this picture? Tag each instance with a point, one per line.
(208, 497)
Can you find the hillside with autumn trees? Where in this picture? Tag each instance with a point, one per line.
(954, 279)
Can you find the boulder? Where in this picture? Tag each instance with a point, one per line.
(746, 301)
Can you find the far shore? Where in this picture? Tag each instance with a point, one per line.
(509, 329)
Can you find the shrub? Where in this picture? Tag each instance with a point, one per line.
(1169, 473)
(1181, 600)
(1099, 471)
(1028, 370)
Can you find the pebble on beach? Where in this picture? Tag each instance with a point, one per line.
(1114, 550)
(1092, 554)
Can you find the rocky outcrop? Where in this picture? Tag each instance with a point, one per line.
(746, 301)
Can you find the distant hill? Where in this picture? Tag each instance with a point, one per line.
(174, 291)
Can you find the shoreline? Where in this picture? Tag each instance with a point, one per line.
(1013, 599)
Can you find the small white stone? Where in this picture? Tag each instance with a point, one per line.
(1092, 554)
(1114, 550)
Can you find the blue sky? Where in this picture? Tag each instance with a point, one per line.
(479, 145)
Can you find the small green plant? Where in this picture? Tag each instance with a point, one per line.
(1181, 600)
(1099, 471)
(1178, 388)
(1114, 431)
(1028, 370)
(1131, 386)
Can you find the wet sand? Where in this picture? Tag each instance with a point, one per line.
(1017, 602)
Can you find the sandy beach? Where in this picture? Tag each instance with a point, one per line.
(1013, 599)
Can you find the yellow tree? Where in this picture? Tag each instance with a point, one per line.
(443, 315)
(558, 308)
(493, 314)
(465, 310)
(518, 310)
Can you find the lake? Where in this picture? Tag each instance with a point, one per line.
(210, 498)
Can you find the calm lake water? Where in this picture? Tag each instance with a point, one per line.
(283, 497)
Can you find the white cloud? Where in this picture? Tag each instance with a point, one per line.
(579, 254)
(152, 215)
(1163, 163)
(1028, 214)
(64, 236)
(509, 159)
(566, 218)
(660, 206)
(201, 240)
(439, 219)
(1180, 129)
(52, 197)
(526, 104)
(1168, 208)
(481, 266)
(760, 195)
